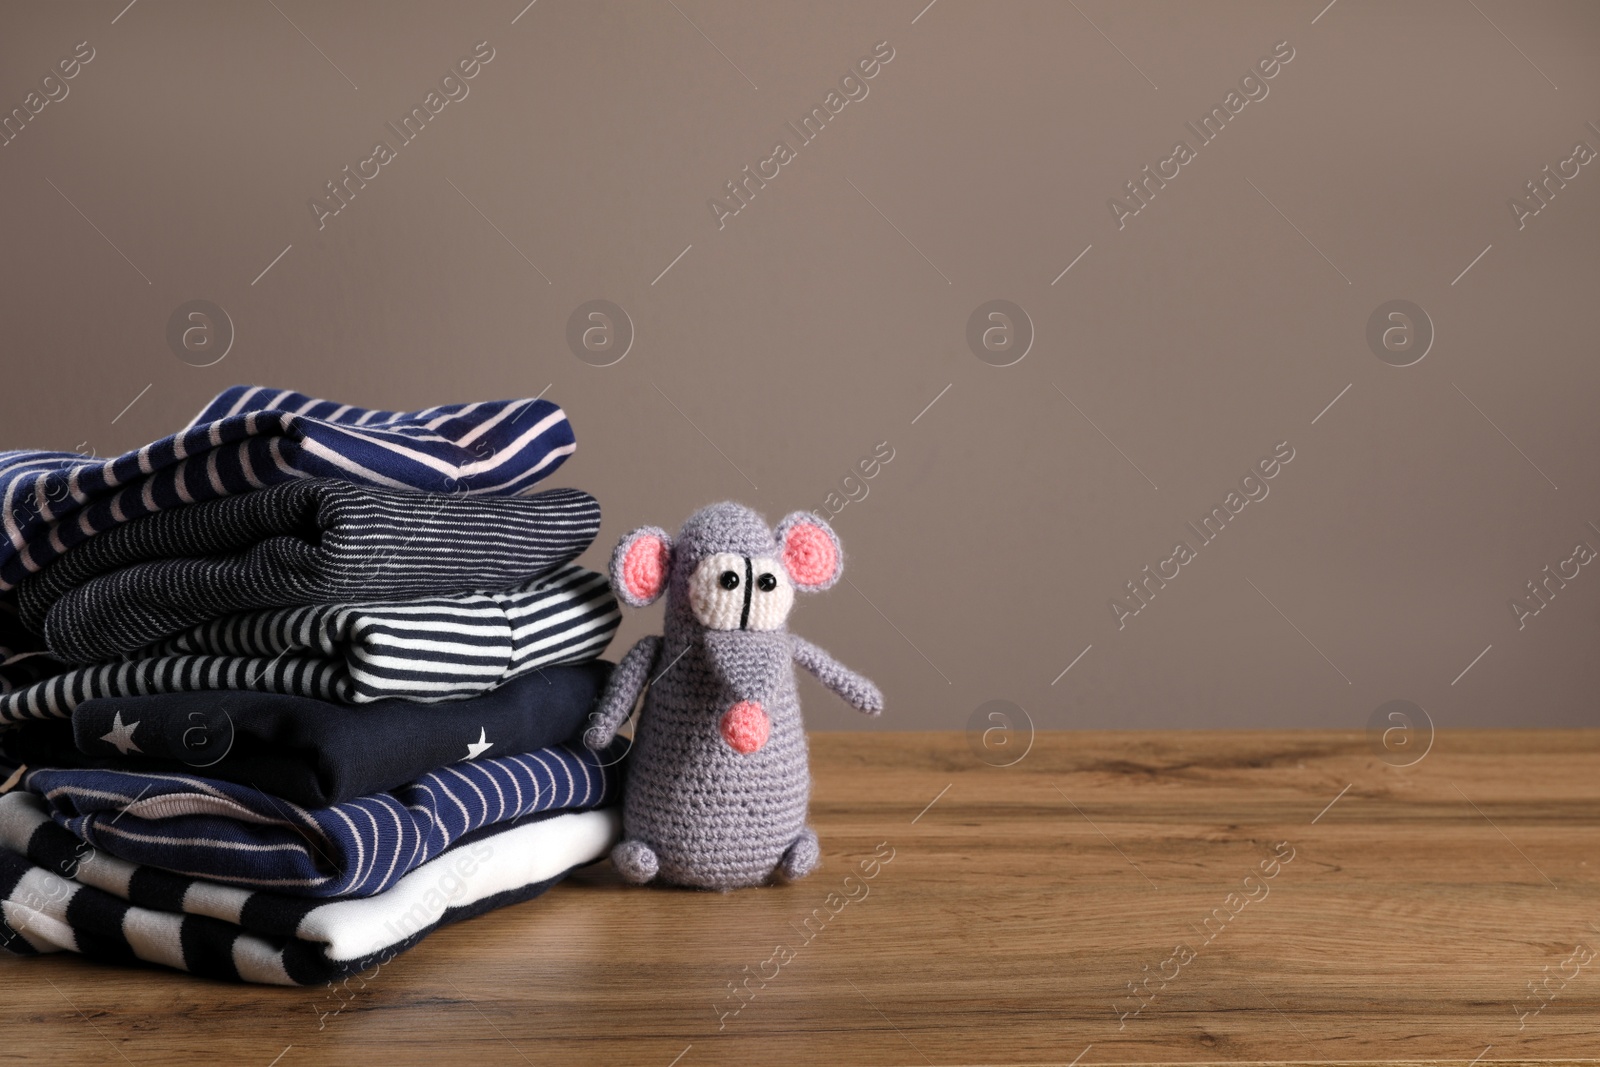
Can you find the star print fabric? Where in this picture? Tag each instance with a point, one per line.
(120, 736)
(307, 751)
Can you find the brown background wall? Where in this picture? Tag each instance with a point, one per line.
(826, 316)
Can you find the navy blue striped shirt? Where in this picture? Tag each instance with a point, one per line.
(237, 835)
(251, 437)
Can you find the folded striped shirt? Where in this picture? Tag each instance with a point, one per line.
(249, 438)
(316, 541)
(306, 751)
(431, 651)
(56, 895)
(238, 835)
(442, 648)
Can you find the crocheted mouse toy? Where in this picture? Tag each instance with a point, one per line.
(718, 780)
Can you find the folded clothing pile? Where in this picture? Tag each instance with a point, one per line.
(285, 691)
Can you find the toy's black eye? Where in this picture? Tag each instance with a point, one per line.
(766, 583)
(728, 580)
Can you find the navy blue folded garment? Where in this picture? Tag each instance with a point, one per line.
(239, 836)
(306, 751)
(312, 541)
(248, 438)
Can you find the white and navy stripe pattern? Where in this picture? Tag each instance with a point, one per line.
(55, 697)
(446, 648)
(249, 438)
(58, 896)
(237, 835)
(319, 541)
(431, 651)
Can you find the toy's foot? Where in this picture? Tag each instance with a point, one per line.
(802, 857)
(635, 861)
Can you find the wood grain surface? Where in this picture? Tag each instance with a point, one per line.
(1253, 897)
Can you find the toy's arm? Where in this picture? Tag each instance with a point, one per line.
(851, 687)
(622, 692)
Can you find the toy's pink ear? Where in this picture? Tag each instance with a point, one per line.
(810, 551)
(639, 566)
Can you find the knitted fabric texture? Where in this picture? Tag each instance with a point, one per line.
(444, 648)
(309, 752)
(23, 657)
(59, 896)
(250, 437)
(434, 650)
(317, 541)
(240, 836)
(718, 782)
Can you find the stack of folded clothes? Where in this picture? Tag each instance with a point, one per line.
(287, 690)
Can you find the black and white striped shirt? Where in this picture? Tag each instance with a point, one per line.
(316, 541)
(433, 650)
(60, 896)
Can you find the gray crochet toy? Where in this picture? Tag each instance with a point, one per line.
(718, 782)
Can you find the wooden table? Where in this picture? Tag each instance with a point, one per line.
(1110, 898)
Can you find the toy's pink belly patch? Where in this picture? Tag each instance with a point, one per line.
(745, 727)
